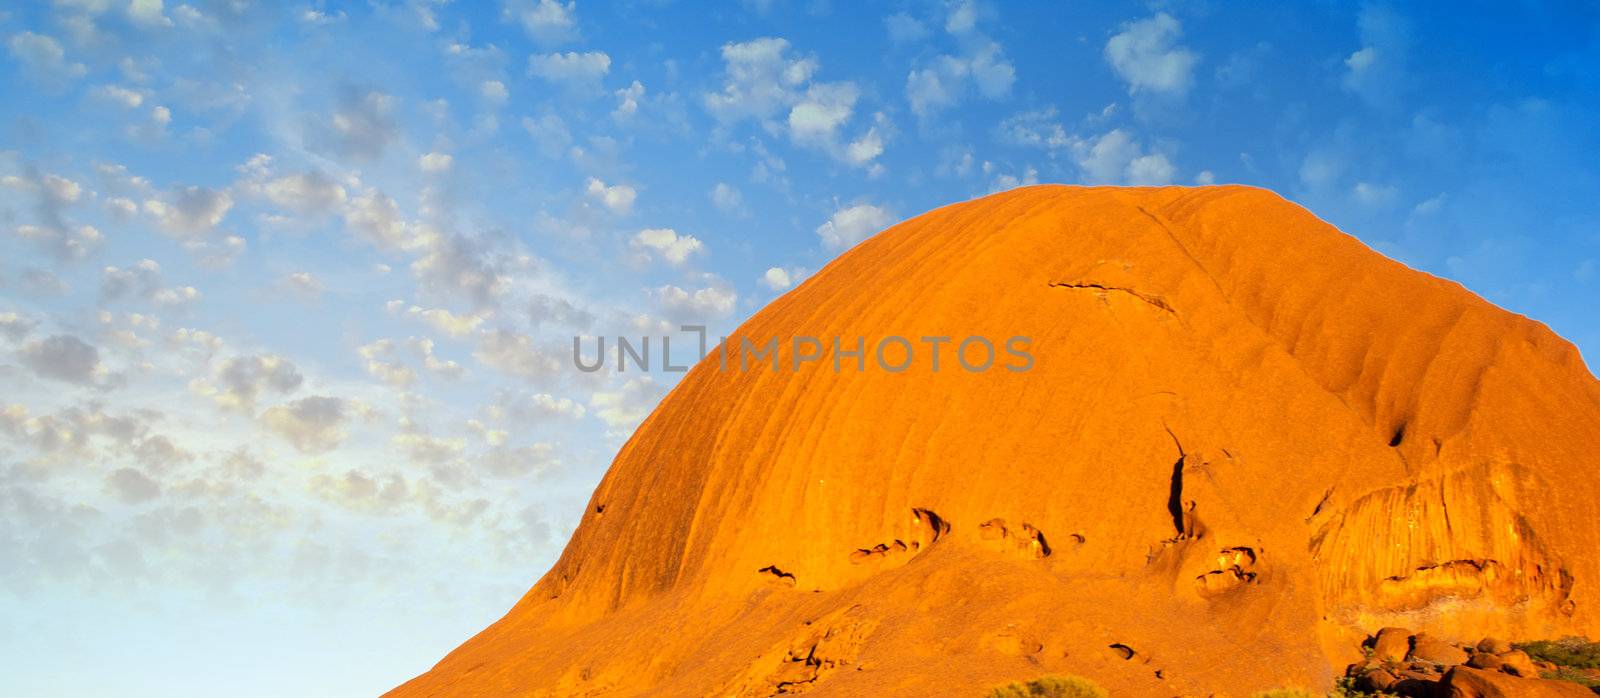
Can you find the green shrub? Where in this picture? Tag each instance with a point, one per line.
(1574, 652)
(1575, 676)
(1051, 687)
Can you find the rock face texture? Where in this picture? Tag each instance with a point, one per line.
(1246, 442)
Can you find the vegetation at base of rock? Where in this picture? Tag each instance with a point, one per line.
(1051, 687)
(1572, 652)
(1344, 688)
(1587, 678)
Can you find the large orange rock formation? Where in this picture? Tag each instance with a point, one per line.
(1246, 441)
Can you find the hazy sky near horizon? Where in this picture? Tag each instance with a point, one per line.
(287, 291)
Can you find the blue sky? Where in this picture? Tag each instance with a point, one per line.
(287, 291)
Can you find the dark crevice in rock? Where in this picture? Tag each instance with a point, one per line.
(779, 576)
(1175, 495)
(1399, 436)
(1149, 298)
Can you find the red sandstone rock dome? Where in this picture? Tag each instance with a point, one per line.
(1246, 441)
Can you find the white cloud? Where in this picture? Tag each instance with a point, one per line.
(143, 280)
(377, 365)
(618, 198)
(62, 357)
(624, 408)
(382, 361)
(42, 58)
(759, 79)
(547, 21)
(850, 225)
(1430, 206)
(436, 162)
(123, 96)
(54, 196)
(1147, 56)
(1037, 128)
(904, 29)
(441, 319)
(579, 70)
(306, 193)
(14, 327)
(1152, 169)
(132, 486)
(782, 278)
(628, 101)
(819, 114)
(62, 242)
(963, 17)
(238, 382)
(667, 244)
(717, 299)
(40, 283)
(189, 211)
(946, 79)
(1376, 71)
(1006, 180)
(1321, 168)
(863, 150)
(148, 13)
(494, 91)
(304, 284)
(517, 354)
(427, 449)
(726, 198)
(550, 132)
(1369, 194)
(762, 81)
(314, 424)
(548, 404)
(376, 217)
(1116, 157)
(476, 268)
(363, 124)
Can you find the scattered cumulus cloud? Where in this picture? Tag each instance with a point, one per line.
(905, 29)
(628, 99)
(62, 357)
(436, 162)
(240, 381)
(1147, 56)
(547, 21)
(667, 245)
(312, 425)
(571, 69)
(189, 211)
(617, 198)
(782, 278)
(764, 81)
(42, 58)
(1376, 71)
(1116, 157)
(944, 81)
(727, 198)
(715, 300)
(852, 224)
(362, 126)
